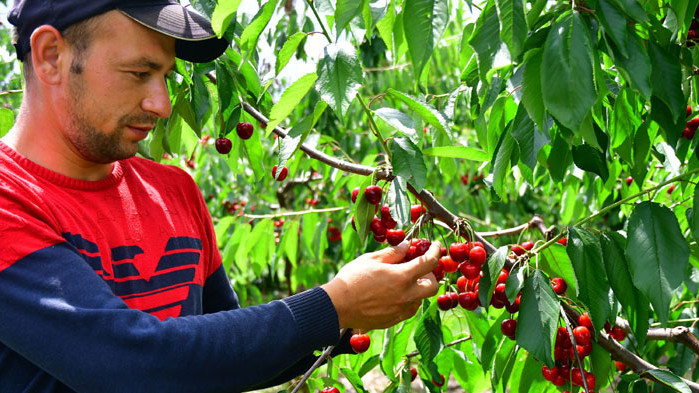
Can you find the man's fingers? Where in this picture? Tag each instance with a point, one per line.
(393, 254)
(426, 263)
(426, 286)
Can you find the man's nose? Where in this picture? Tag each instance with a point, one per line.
(157, 100)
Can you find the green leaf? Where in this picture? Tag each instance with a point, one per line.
(590, 159)
(585, 252)
(633, 9)
(7, 119)
(566, 71)
(658, 254)
(666, 79)
(636, 68)
(398, 201)
(428, 334)
(503, 362)
(426, 111)
(528, 137)
(538, 312)
(291, 97)
(496, 261)
(514, 283)
(694, 224)
(397, 120)
(249, 36)
(501, 161)
(354, 379)
(669, 379)
(363, 211)
(339, 77)
(463, 152)
(407, 162)
(200, 100)
(428, 19)
(513, 24)
(614, 24)
(531, 87)
(287, 51)
(485, 39)
(222, 16)
(345, 11)
(556, 263)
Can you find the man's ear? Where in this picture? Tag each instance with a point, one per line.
(49, 52)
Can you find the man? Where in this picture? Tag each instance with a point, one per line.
(110, 276)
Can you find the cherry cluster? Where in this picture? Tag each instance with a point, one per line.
(234, 207)
(693, 33)
(476, 178)
(278, 224)
(334, 233)
(692, 124)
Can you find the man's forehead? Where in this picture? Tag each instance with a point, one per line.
(134, 42)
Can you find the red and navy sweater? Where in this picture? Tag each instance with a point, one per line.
(117, 286)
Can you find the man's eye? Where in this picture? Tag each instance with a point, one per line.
(140, 75)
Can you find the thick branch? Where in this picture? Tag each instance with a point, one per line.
(678, 334)
(618, 352)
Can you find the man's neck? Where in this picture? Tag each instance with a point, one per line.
(37, 137)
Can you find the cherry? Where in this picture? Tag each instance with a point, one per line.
(591, 380)
(282, 173)
(528, 245)
(517, 250)
(470, 270)
(416, 211)
(584, 350)
(223, 145)
(549, 374)
(502, 277)
(468, 300)
(422, 245)
(621, 366)
(576, 376)
(514, 307)
(334, 234)
(386, 218)
(671, 189)
(477, 256)
(413, 373)
(440, 383)
(379, 238)
(448, 264)
(355, 192)
(330, 389)
(559, 285)
(360, 342)
(459, 252)
(559, 380)
(584, 320)
(461, 284)
(444, 301)
(689, 110)
(372, 194)
(582, 335)
(454, 299)
(693, 124)
(244, 130)
(438, 273)
(563, 241)
(499, 294)
(395, 236)
(629, 180)
(618, 333)
(562, 338)
(688, 133)
(377, 227)
(508, 328)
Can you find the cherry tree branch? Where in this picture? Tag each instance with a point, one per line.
(325, 355)
(678, 334)
(618, 352)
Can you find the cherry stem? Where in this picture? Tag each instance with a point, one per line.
(319, 361)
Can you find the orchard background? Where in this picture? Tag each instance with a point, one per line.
(509, 121)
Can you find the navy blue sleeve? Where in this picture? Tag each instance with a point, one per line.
(217, 294)
(60, 316)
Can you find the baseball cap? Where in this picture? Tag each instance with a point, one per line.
(195, 39)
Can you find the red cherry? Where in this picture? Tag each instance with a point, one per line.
(438, 273)
(528, 245)
(582, 335)
(584, 350)
(671, 189)
(454, 299)
(360, 342)
(549, 374)
(395, 236)
(477, 256)
(499, 294)
(468, 300)
(576, 377)
(330, 389)
(355, 192)
(244, 130)
(372, 194)
(386, 218)
(282, 173)
(688, 133)
(562, 339)
(379, 238)
(461, 284)
(584, 320)
(444, 302)
(621, 366)
(502, 277)
(517, 250)
(377, 227)
(591, 380)
(693, 124)
(607, 327)
(448, 264)
(514, 307)
(416, 211)
(413, 373)
(563, 241)
(422, 245)
(618, 333)
(223, 145)
(559, 381)
(470, 270)
(509, 327)
(689, 110)
(629, 180)
(559, 285)
(440, 383)
(459, 252)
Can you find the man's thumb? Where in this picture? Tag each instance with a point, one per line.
(393, 254)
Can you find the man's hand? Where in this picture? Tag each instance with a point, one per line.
(376, 291)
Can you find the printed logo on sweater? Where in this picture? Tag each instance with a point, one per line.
(170, 292)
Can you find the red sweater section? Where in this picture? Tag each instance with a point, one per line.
(145, 229)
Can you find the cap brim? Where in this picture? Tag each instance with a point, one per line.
(196, 40)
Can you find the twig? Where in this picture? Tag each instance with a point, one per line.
(678, 334)
(317, 364)
(296, 213)
(451, 344)
(8, 92)
(535, 222)
(322, 25)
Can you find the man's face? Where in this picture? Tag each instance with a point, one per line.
(116, 89)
